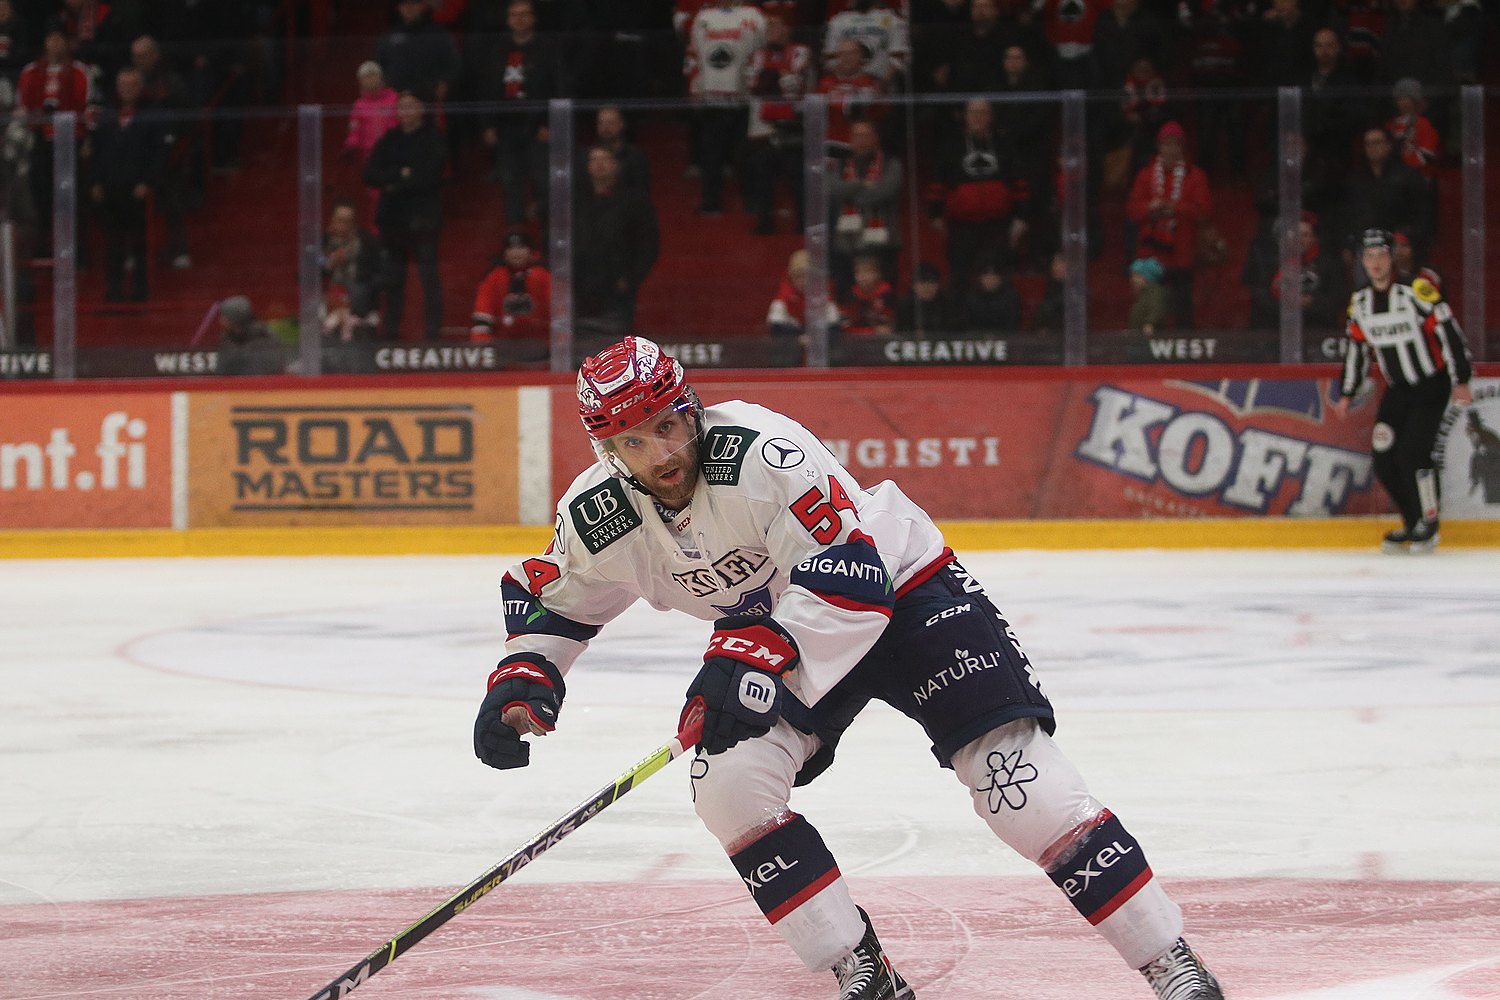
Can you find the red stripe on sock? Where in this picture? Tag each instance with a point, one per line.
(823, 882)
(1121, 898)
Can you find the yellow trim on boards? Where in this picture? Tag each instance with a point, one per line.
(1192, 533)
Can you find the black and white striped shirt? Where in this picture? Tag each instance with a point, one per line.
(1410, 331)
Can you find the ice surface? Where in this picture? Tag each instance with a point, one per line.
(235, 777)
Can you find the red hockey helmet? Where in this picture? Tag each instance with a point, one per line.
(625, 384)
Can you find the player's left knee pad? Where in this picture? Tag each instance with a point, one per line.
(746, 788)
(1023, 787)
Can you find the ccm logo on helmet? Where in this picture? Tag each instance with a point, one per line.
(627, 403)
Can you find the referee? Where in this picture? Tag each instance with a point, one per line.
(1415, 340)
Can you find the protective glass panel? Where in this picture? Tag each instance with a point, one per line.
(1182, 223)
(186, 251)
(965, 271)
(681, 229)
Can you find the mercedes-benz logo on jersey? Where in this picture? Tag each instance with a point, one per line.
(720, 56)
(781, 453)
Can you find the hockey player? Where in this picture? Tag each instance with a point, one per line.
(823, 595)
(1423, 358)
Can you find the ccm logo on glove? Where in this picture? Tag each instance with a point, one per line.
(739, 688)
(749, 641)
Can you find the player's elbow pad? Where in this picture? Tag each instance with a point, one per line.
(849, 575)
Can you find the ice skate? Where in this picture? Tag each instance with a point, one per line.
(1424, 536)
(866, 974)
(1395, 542)
(1180, 974)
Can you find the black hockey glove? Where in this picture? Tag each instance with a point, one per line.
(739, 688)
(530, 684)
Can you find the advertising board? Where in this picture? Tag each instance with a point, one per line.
(1083, 448)
(371, 456)
(86, 461)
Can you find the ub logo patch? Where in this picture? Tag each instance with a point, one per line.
(1007, 774)
(603, 515)
(724, 451)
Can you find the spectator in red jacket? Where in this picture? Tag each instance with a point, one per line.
(849, 89)
(780, 75)
(514, 301)
(787, 316)
(871, 304)
(1412, 131)
(52, 84)
(1167, 203)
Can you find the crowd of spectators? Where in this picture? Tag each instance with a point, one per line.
(154, 87)
(449, 79)
(988, 169)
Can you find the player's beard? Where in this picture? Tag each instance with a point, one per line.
(681, 470)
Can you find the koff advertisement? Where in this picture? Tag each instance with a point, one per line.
(378, 456)
(1086, 448)
(86, 461)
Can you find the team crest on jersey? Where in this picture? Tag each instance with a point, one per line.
(603, 515)
(756, 602)
(724, 451)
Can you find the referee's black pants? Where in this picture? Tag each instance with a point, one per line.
(1406, 429)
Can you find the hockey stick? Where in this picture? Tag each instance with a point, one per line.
(534, 848)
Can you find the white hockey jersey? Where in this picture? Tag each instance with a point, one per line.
(880, 32)
(719, 48)
(776, 526)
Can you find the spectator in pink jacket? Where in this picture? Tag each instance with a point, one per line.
(374, 115)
